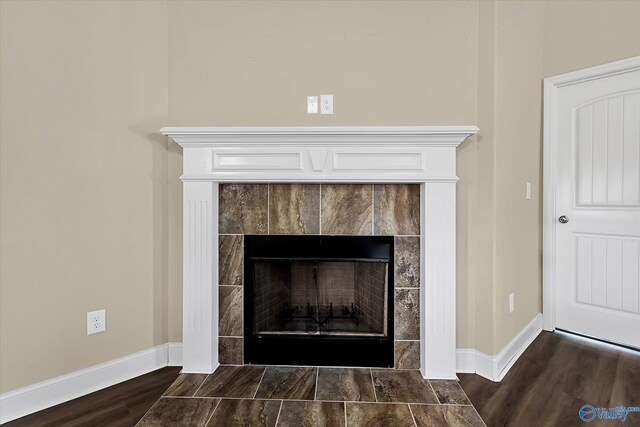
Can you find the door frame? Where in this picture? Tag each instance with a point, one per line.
(549, 162)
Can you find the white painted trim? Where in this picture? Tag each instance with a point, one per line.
(605, 70)
(466, 360)
(550, 143)
(36, 397)
(175, 354)
(286, 131)
(494, 368)
(417, 154)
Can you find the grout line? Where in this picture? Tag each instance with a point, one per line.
(268, 205)
(200, 386)
(149, 410)
(433, 390)
(320, 210)
(263, 372)
(412, 416)
(214, 411)
(279, 410)
(373, 208)
(358, 402)
(315, 393)
(373, 384)
(345, 413)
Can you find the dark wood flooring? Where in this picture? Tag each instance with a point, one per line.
(554, 377)
(123, 404)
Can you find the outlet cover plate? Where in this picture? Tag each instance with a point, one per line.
(326, 104)
(96, 321)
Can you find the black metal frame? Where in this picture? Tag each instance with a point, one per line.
(316, 350)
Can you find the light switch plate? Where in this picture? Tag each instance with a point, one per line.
(312, 105)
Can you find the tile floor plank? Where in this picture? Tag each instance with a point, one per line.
(245, 413)
(281, 382)
(402, 387)
(345, 384)
(232, 381)
(311, 414)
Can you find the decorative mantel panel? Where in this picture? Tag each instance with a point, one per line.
(424, 155)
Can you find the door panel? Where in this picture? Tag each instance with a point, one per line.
(598, 189)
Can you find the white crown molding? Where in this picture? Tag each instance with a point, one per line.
(320, 136)
(494, 368)
(36, 397)
(618, 67)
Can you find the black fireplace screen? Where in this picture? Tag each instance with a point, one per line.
(319, 300)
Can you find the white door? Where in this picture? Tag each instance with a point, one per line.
(597, 208)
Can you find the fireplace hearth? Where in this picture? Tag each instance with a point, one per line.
(319, 300)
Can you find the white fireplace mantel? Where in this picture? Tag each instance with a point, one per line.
(424, 155)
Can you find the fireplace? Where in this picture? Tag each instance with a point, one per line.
(425, 156)
(319, 300)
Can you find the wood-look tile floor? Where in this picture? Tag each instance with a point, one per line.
(554, 377)
(269, 396)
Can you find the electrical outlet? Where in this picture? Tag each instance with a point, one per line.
(312, 105)
(326, 104)
(96, 321)
(512, 302)
(528, 192)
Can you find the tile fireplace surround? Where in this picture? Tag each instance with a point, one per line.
(222, 164)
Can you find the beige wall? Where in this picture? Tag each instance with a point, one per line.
(83, 171)
(90, 197)
(581, 34)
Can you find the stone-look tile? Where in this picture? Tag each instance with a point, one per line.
(449, 392)
(311, 414)
(245, 413)
(243, 208)
(447, 416)
(230, 351)
(232, 381)
(407, 314)
(230, 311)
(176, 411)
(230, 260)
(407, 260)
(407, 354)
(185, 385)
(294, 208)
(397, 209)
(402, 386)
(378, 415)
(345, 384)
(346, 208)
(288, 383)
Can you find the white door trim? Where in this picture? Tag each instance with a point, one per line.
(551, 86)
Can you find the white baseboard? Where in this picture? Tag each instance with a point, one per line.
(494, 368)
(175, 354)
(27, 400)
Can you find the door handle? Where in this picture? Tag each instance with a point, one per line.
(563, 219)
